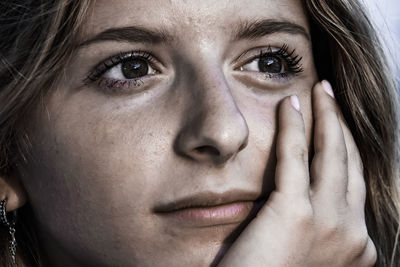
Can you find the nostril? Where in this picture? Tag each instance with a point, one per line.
(243, 146)
(208, 149)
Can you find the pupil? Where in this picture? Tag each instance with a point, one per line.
(134, 68)
(270, 65)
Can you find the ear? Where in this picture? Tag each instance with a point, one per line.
(12, 189)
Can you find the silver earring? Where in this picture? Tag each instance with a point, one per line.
(11, 227)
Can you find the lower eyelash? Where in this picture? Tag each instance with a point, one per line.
(119, 85)
(278, 76)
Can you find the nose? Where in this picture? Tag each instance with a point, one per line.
(215, 130)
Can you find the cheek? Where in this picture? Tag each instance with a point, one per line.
(89, 166)
(96, 154)
(262, 115)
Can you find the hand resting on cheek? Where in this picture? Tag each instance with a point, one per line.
(315, 216)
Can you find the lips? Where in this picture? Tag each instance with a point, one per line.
(207, 209)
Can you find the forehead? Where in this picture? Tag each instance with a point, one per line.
(192, 17)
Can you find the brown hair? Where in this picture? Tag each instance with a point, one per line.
(38, 40)
(346, 43)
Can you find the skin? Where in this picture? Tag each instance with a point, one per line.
(102, 160)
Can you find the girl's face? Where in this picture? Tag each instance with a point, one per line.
(167, 112)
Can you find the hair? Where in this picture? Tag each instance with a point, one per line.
(38, 38)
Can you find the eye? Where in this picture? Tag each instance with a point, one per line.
(124, 71)
(132, 68)
(274, 63)
(266, 64)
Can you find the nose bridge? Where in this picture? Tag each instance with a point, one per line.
(207, 82)
(215, 129)
(215, 97)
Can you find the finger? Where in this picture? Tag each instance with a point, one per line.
(291, 176)
(356, 191)
(369, 257)
(329, 166)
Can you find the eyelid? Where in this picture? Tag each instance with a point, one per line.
(105, 65)
(284, 52)
(254, 53)
(246, 56)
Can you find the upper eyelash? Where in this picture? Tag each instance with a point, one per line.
(113, 61)
(292, 60)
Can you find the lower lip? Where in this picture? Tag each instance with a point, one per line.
(232, 213)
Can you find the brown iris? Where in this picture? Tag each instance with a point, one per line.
(270, 64)
(135, 68)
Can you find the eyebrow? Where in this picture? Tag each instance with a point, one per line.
(260, 28)
(129, 34)
(244, 30)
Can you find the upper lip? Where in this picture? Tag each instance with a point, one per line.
(207, 199)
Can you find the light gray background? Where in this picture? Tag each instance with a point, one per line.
(386, 16)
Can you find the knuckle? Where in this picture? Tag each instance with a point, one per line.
(359, 240)
(373, 257)
(304, 216)
(296, 151)
(359, 186)
(341, 153)
(294, 146)
(359, 243)
(327, 112)
(354, 154)
(370, 257)
(300, 152)
(331, 230)
(355, 158)
(334, 149)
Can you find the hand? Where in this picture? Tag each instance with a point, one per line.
(320, 223)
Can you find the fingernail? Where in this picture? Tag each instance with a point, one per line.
(294, 100)
(328, 88)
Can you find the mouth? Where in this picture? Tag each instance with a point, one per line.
(208, 209)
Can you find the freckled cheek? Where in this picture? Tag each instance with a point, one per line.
(262, 119)
(98, 158)
(105, 169)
